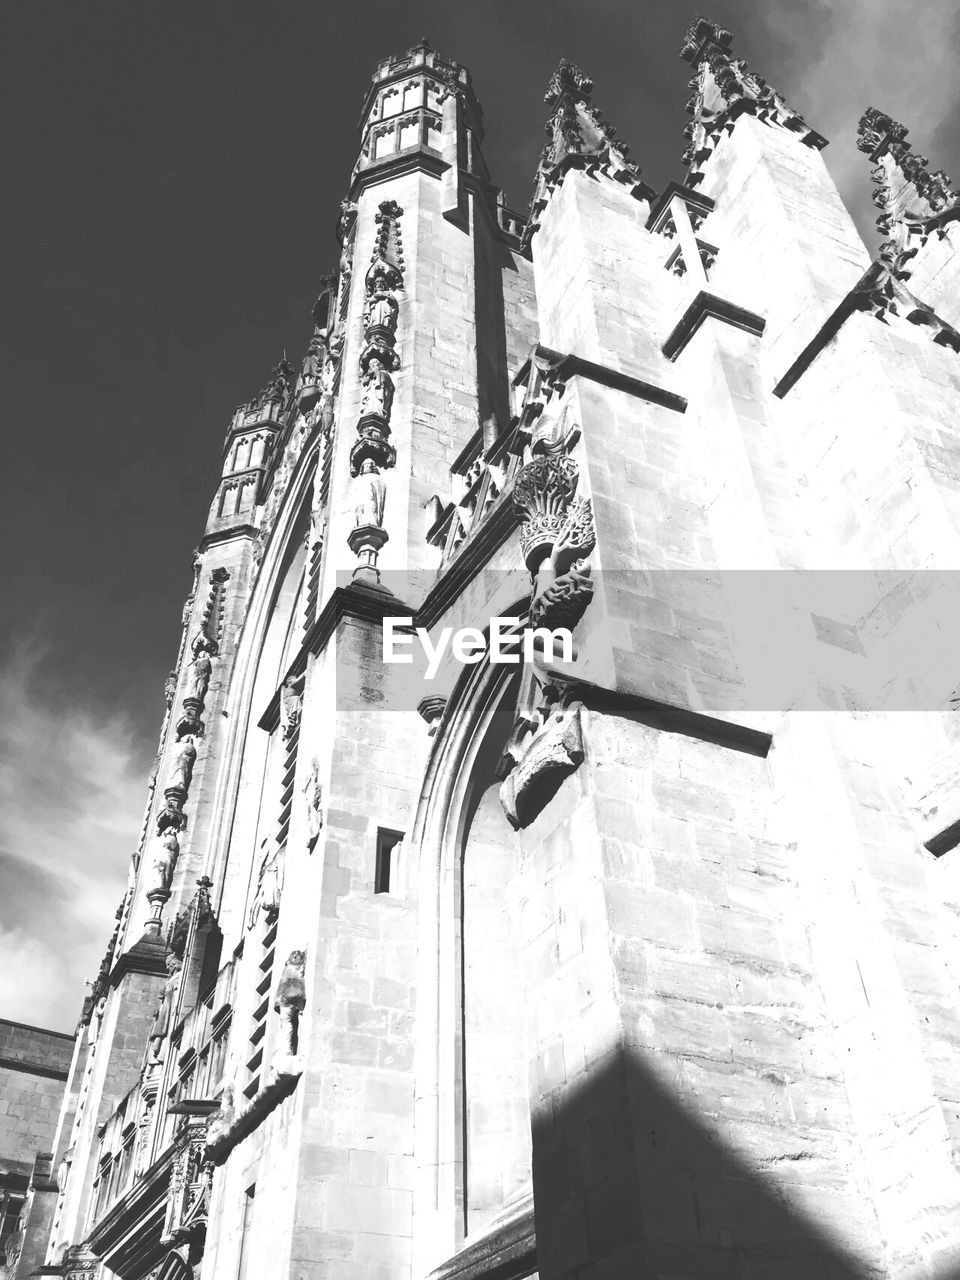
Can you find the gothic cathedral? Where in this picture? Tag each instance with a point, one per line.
(634, 959)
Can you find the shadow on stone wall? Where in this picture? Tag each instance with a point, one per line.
(628, 1184)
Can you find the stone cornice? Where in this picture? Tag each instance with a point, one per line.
(420, 158)
(256, 1110)
(573, 366)
(692, 199)
(706, 306)
(145, 956)
(365, 603)
(669, 718)
(506, 1251)
(877, 292)
(226, 535)
(33, 1068)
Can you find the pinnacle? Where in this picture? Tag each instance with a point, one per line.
(568, 80)
(876, 130)
(701, 33)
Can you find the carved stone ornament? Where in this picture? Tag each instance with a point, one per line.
(163, 1018)
(170, 688)
(545, 746)
(371, 496)
(184, 759)
(377, 392)
(290, 1002)
(198, 675)
(542, 494)
(164, 851)
(431, 711)
(189, 1190)
(557, 535)
(313, 795)
(880, 293)
(724, 88)
(913, 202)
(578, 136)
(79, 1263)
(291, 706)
(269, 889)
(171, 816)
(189, 724)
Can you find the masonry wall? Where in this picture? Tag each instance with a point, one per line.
(33, 1068)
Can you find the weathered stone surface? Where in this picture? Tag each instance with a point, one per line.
(686, 1005)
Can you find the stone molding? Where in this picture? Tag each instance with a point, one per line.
(707, 306)
(878, 293)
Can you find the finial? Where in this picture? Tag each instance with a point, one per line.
(701, 34)
(913, 202)
(876, 131)
(569, 80)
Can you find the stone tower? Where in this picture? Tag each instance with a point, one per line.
(635, 960)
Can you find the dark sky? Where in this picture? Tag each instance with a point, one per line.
(172, 176)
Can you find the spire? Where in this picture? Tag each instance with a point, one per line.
(578, 138)
(723, 89)
(912, 201)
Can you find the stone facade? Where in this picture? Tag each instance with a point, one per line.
(636, 961)
(34, 1064)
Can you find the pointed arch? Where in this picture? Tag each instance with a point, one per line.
(460, 825)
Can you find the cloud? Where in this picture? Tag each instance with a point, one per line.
(71, 795)
(847, 55)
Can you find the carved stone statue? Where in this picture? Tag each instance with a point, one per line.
(164, 851)
(164, 1016)
(290, 1002)
(170, 688)
(313, 794)
(183, 763)
(372, 494)
(220, 1123)
(269, 883)
(377, 392)
(200, 670)
(313, 361)
(383, 312)
(291, 706)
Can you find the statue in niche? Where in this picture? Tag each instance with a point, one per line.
(163, 1019)
(291, 706)
(183, 763)
(313, 794)
(164, 851)
(290, 1002)
(200, 670)
(170, 688)
(377, 392)
(383, 312)
(314, 359)
(372, 495)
